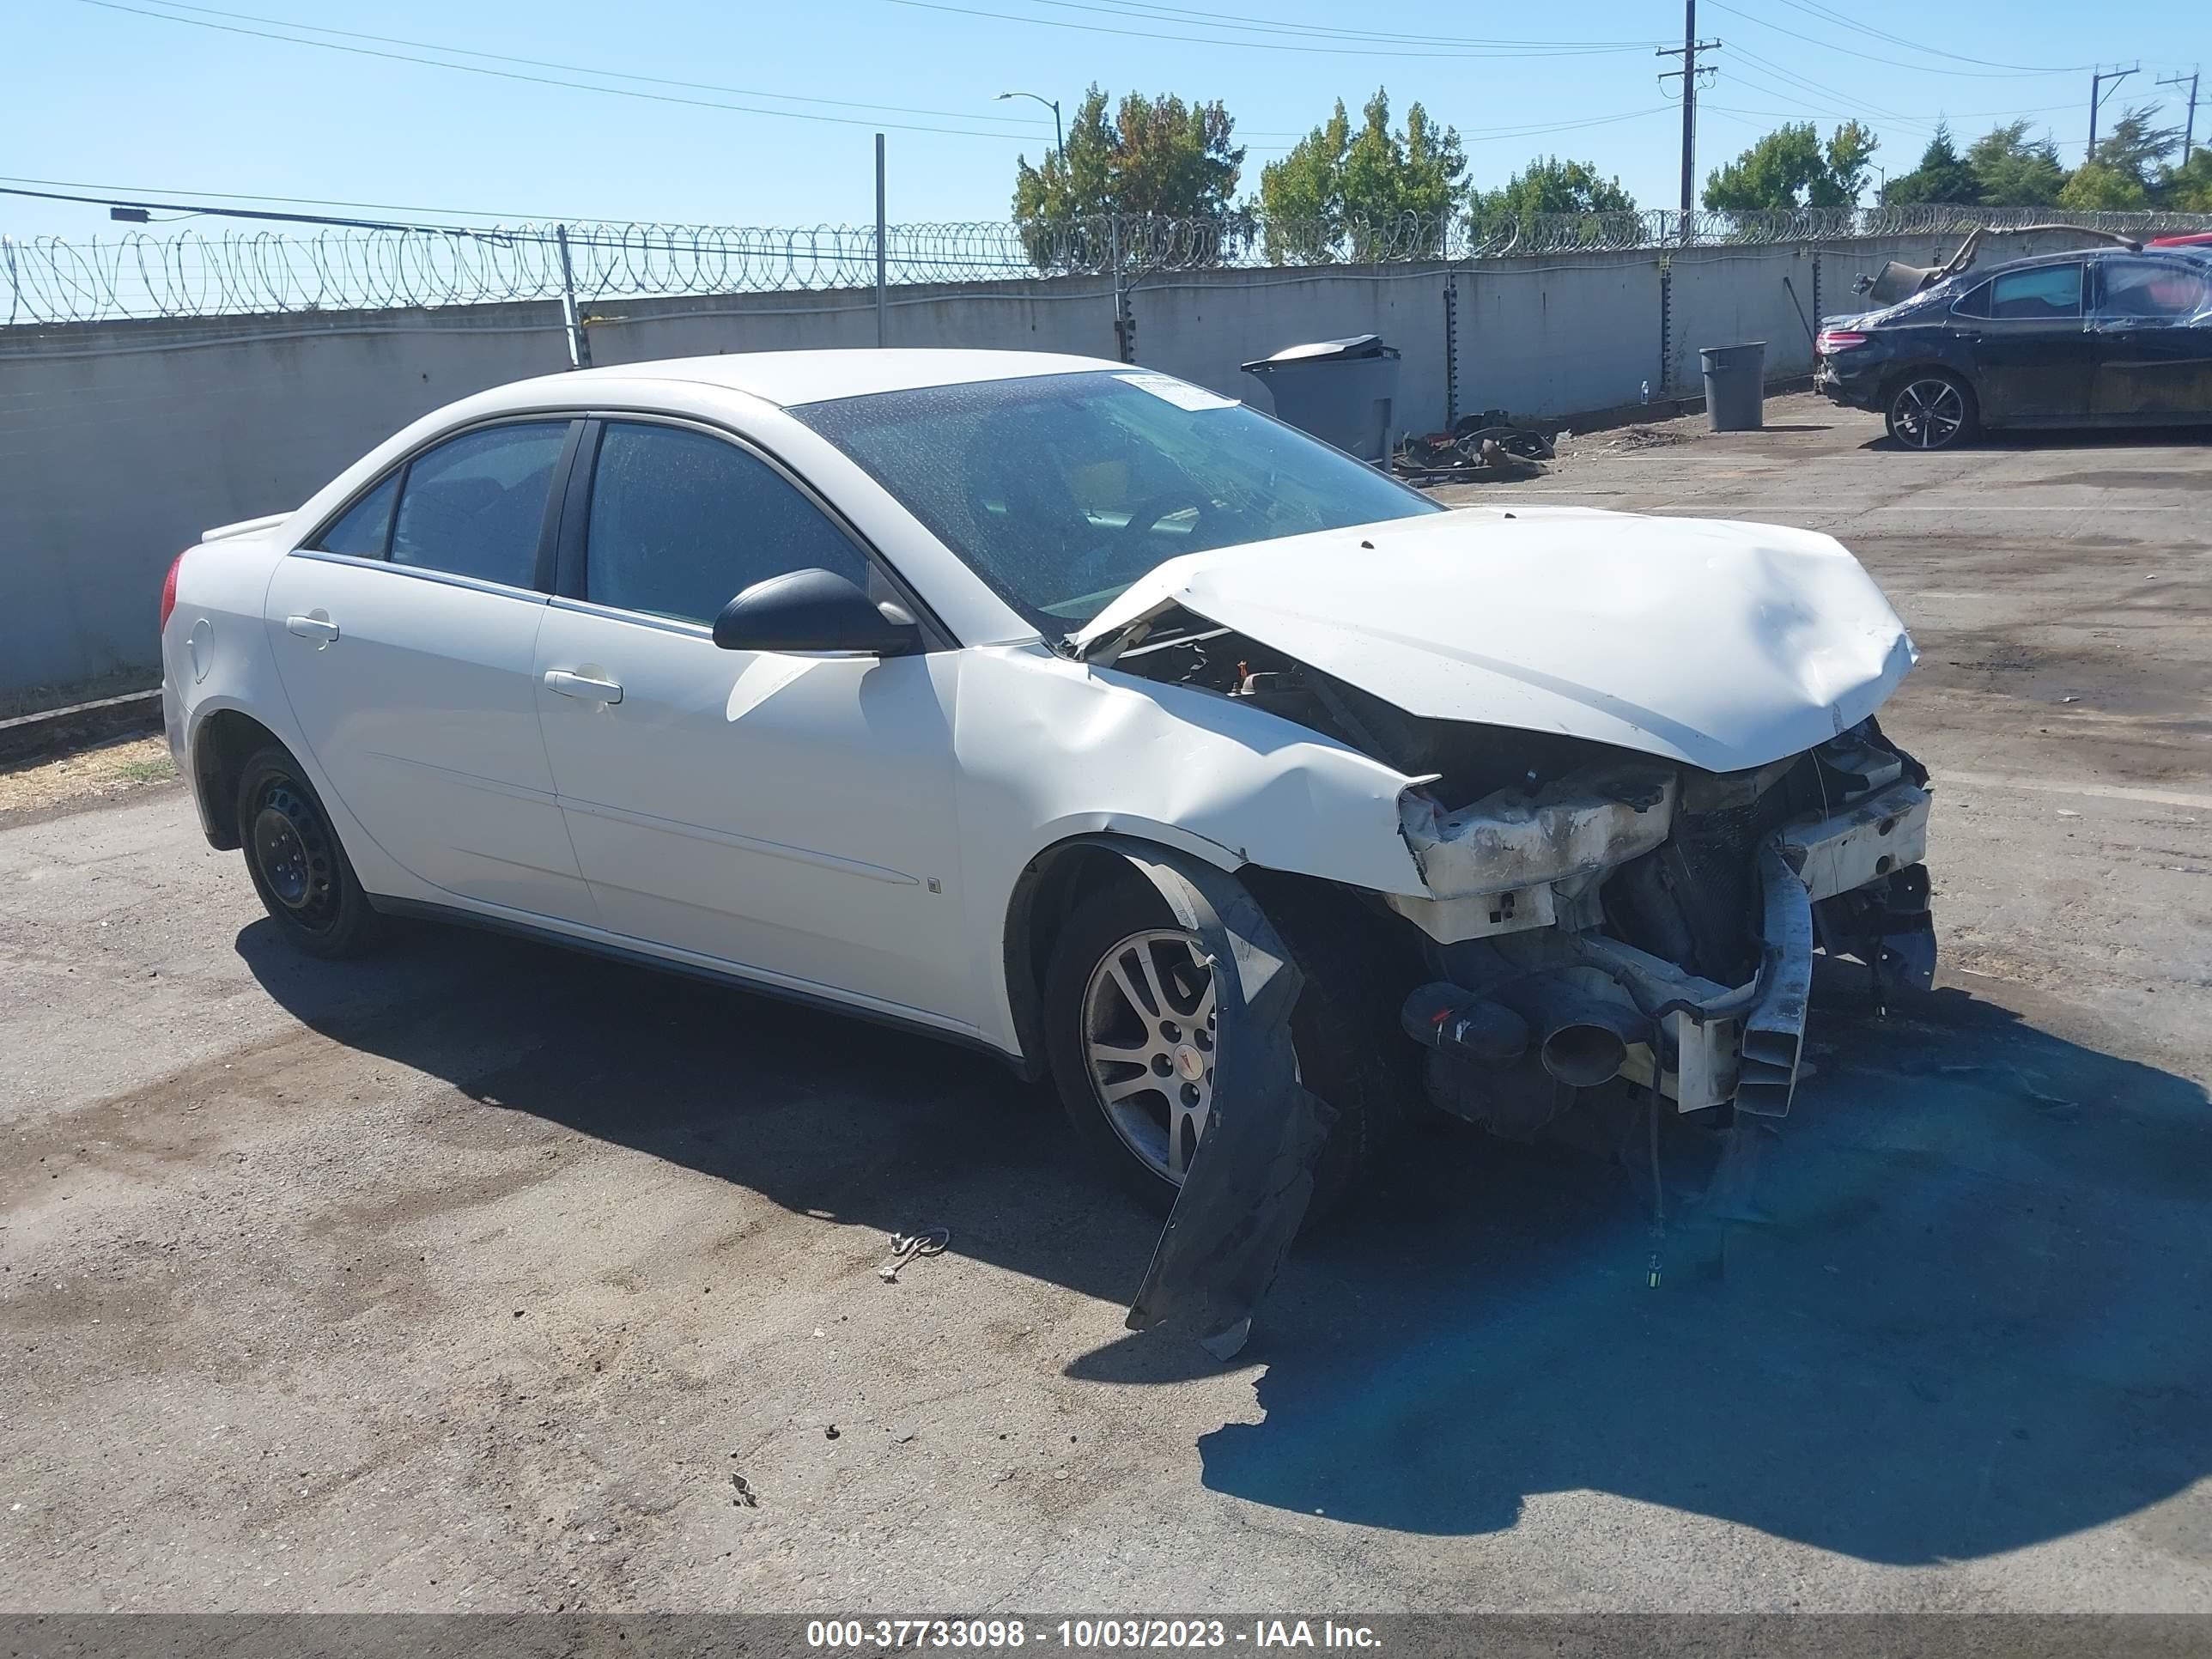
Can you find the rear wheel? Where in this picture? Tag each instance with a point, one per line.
(1930, 409)
(1130, 1025)
(306, 881)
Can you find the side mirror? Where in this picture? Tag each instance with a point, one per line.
(815, 613)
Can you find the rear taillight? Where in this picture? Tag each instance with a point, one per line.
(1833, 340)
(169, 591)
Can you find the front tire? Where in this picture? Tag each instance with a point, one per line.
(306, 881)
(1128, 1029)
(1931, 408)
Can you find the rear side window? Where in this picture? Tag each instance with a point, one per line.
(364, 530)
(682, 522)
(475, 506)
(2152, 290)
(2046, 294)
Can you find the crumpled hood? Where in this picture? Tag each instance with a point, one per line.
(1723, 645)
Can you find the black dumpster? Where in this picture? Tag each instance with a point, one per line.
(1343, 391)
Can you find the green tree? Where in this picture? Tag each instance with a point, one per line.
(2014, 171)
(1790, 167)
(1157, 157)
(1546, 186)
(1339, 181)
(2096, 187)
(1943, 175)
(2188, 186)
(2136, 149)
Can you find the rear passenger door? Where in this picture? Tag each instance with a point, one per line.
(788, 815)
(405, 635)
(2032, 351)
(2151, 322)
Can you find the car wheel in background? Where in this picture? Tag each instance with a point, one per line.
(1129, 1032)
(1931, 409)
(306, 881)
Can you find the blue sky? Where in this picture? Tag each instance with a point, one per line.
(110, 96)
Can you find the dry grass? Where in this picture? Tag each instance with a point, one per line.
(110, 768)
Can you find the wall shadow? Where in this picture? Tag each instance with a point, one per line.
(1977, 1316)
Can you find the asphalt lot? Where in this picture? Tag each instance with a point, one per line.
(469, 1277)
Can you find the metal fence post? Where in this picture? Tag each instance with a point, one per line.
(883, 262)
(1451, 349)
(1665, 324)
(1125, 325)
(579, 349)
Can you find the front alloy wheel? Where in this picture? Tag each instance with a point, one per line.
(1148, 1034)
(1929, 412)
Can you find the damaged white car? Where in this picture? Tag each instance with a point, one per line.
(1087, 715)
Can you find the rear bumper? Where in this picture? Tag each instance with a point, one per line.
(1852, 386)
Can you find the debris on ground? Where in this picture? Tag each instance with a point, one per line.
(1488, 445)
(1630, 439)
(910, 1247)
(745, 1497)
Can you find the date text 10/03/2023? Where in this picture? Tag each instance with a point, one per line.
(1086, 1635)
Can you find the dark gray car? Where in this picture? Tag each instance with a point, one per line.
(2111, 337)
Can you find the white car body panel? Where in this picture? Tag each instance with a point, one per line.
(421, 717)
(792, 814)
(857, 830)
(1722, 644)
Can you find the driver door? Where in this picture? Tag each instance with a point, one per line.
(789, 816)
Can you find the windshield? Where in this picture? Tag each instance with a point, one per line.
(1061, 489)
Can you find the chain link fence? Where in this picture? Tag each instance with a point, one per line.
(48, 280)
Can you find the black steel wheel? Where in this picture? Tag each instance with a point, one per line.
(299, 868)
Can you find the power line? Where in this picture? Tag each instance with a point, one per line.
(584, 69)
(1245, 21)
(1459, 56)
(1871, 58)
(547, 81)
(1812, 8)
(124, 195)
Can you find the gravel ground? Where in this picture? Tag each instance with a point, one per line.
(476, 1276)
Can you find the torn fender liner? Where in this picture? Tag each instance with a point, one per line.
(1252, 1177)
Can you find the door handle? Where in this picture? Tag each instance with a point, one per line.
(315, 625)
(567, 684)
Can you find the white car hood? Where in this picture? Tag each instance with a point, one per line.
(1722, 644)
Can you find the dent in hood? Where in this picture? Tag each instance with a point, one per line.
(1723, 645)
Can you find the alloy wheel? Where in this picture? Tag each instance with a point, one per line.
(1928, 413)
(1148, 1043)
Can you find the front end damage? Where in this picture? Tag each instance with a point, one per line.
(1595, 925)
(1636, 920)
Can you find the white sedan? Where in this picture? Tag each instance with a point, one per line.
(1084, 714)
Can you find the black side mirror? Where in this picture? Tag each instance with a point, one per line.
(815, 613)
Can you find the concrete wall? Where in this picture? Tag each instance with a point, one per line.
(120, 442)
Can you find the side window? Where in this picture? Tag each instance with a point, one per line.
(474, 504)
(682, 522)
(2150, 290)
(2046, 294)
(1975, 303)
(364, 530)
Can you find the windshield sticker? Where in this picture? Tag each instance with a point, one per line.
(1180, 393)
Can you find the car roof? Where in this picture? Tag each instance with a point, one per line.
(2072, 255)
(792, 378)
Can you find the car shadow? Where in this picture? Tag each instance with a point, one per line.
(1977, 1315)
(2061, 438)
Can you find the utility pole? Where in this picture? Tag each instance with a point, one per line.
(2096, 101)
(1687, 51)
(2189, 123)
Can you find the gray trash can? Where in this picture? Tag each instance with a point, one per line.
(1343, 391)
(1735, 386)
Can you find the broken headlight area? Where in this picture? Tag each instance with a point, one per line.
(1591, 914)
(1633, 920)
